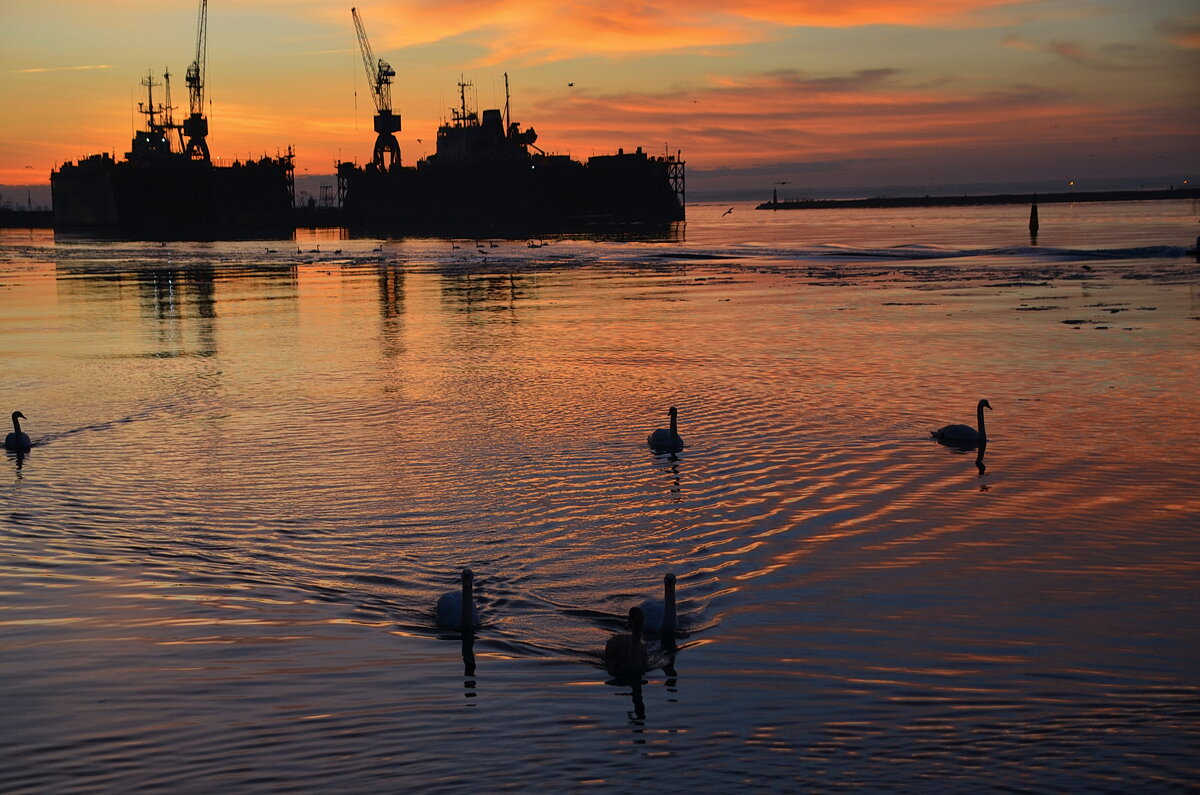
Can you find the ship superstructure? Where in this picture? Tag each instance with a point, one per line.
(167, 184)
(489, 174)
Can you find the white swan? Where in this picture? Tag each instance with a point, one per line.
(964, 433)
(659, 614)
(457, 608)
(18, 440)
(625, 653)
(664, 439)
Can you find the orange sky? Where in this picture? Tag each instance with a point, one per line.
(857, 92)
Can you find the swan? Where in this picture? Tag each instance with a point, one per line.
(457, 608)
(663, 439)
(626, 653)
(964, 433)
(17, 440)
(659, 614)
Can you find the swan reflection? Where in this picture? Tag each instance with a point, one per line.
(468, 655)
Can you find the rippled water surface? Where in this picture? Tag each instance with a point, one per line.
(257, 465)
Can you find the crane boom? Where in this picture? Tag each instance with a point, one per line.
(379, 72)
(195, 72)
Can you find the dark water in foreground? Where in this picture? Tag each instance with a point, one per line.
(256, 470)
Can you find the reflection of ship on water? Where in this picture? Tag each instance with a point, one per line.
(483, 176)
(167, 184)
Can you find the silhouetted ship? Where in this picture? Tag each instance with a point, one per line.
(484, 178)
(167, 186)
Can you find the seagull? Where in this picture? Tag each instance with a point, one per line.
(727, 212)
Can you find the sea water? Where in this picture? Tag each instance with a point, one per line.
(257, 464)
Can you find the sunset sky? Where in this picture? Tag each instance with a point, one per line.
(818, 94)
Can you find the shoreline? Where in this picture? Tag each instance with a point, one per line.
(967, 201)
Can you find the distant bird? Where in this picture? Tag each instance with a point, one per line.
(457, 608)
(570, 85)
(964, 434)
(659, 614)
(18, 440)
(625, 653)
(316, 250)
(727, 212)
(667, 439)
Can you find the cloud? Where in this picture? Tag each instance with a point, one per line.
(63, 68)
(793, 116)
(1183, 33)
(534, 31)
(1109, 57)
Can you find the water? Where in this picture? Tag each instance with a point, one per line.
(255, 470)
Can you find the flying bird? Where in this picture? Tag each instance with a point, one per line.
(727, 212)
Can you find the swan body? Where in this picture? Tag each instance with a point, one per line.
(457, 608)
(18, 440)
(667, 439)
(659, 614)
(625, 653)
(964, 433)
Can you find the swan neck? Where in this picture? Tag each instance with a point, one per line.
(982, 430)
(465, 617)
(16, 425)
(668, 620)
(635, 648)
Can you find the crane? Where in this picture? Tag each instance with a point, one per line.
(379, 76)
(195, 126)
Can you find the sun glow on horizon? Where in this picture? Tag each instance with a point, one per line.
(947, 83)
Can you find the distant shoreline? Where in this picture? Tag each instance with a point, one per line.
(999, 198)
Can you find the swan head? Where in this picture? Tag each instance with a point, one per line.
(16, 415)
(467, 576)
(669, 580)
(637, 620)
(674, 412)
(983, 404)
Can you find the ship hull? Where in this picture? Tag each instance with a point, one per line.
(517, 197)
(175, 198)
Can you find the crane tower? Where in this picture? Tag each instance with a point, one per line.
(379, 76)
(195, 126)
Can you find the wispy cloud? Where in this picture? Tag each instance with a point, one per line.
(1109, 57)
(1183, 33)
(535, 31)
(31, 70)
(789, 115)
